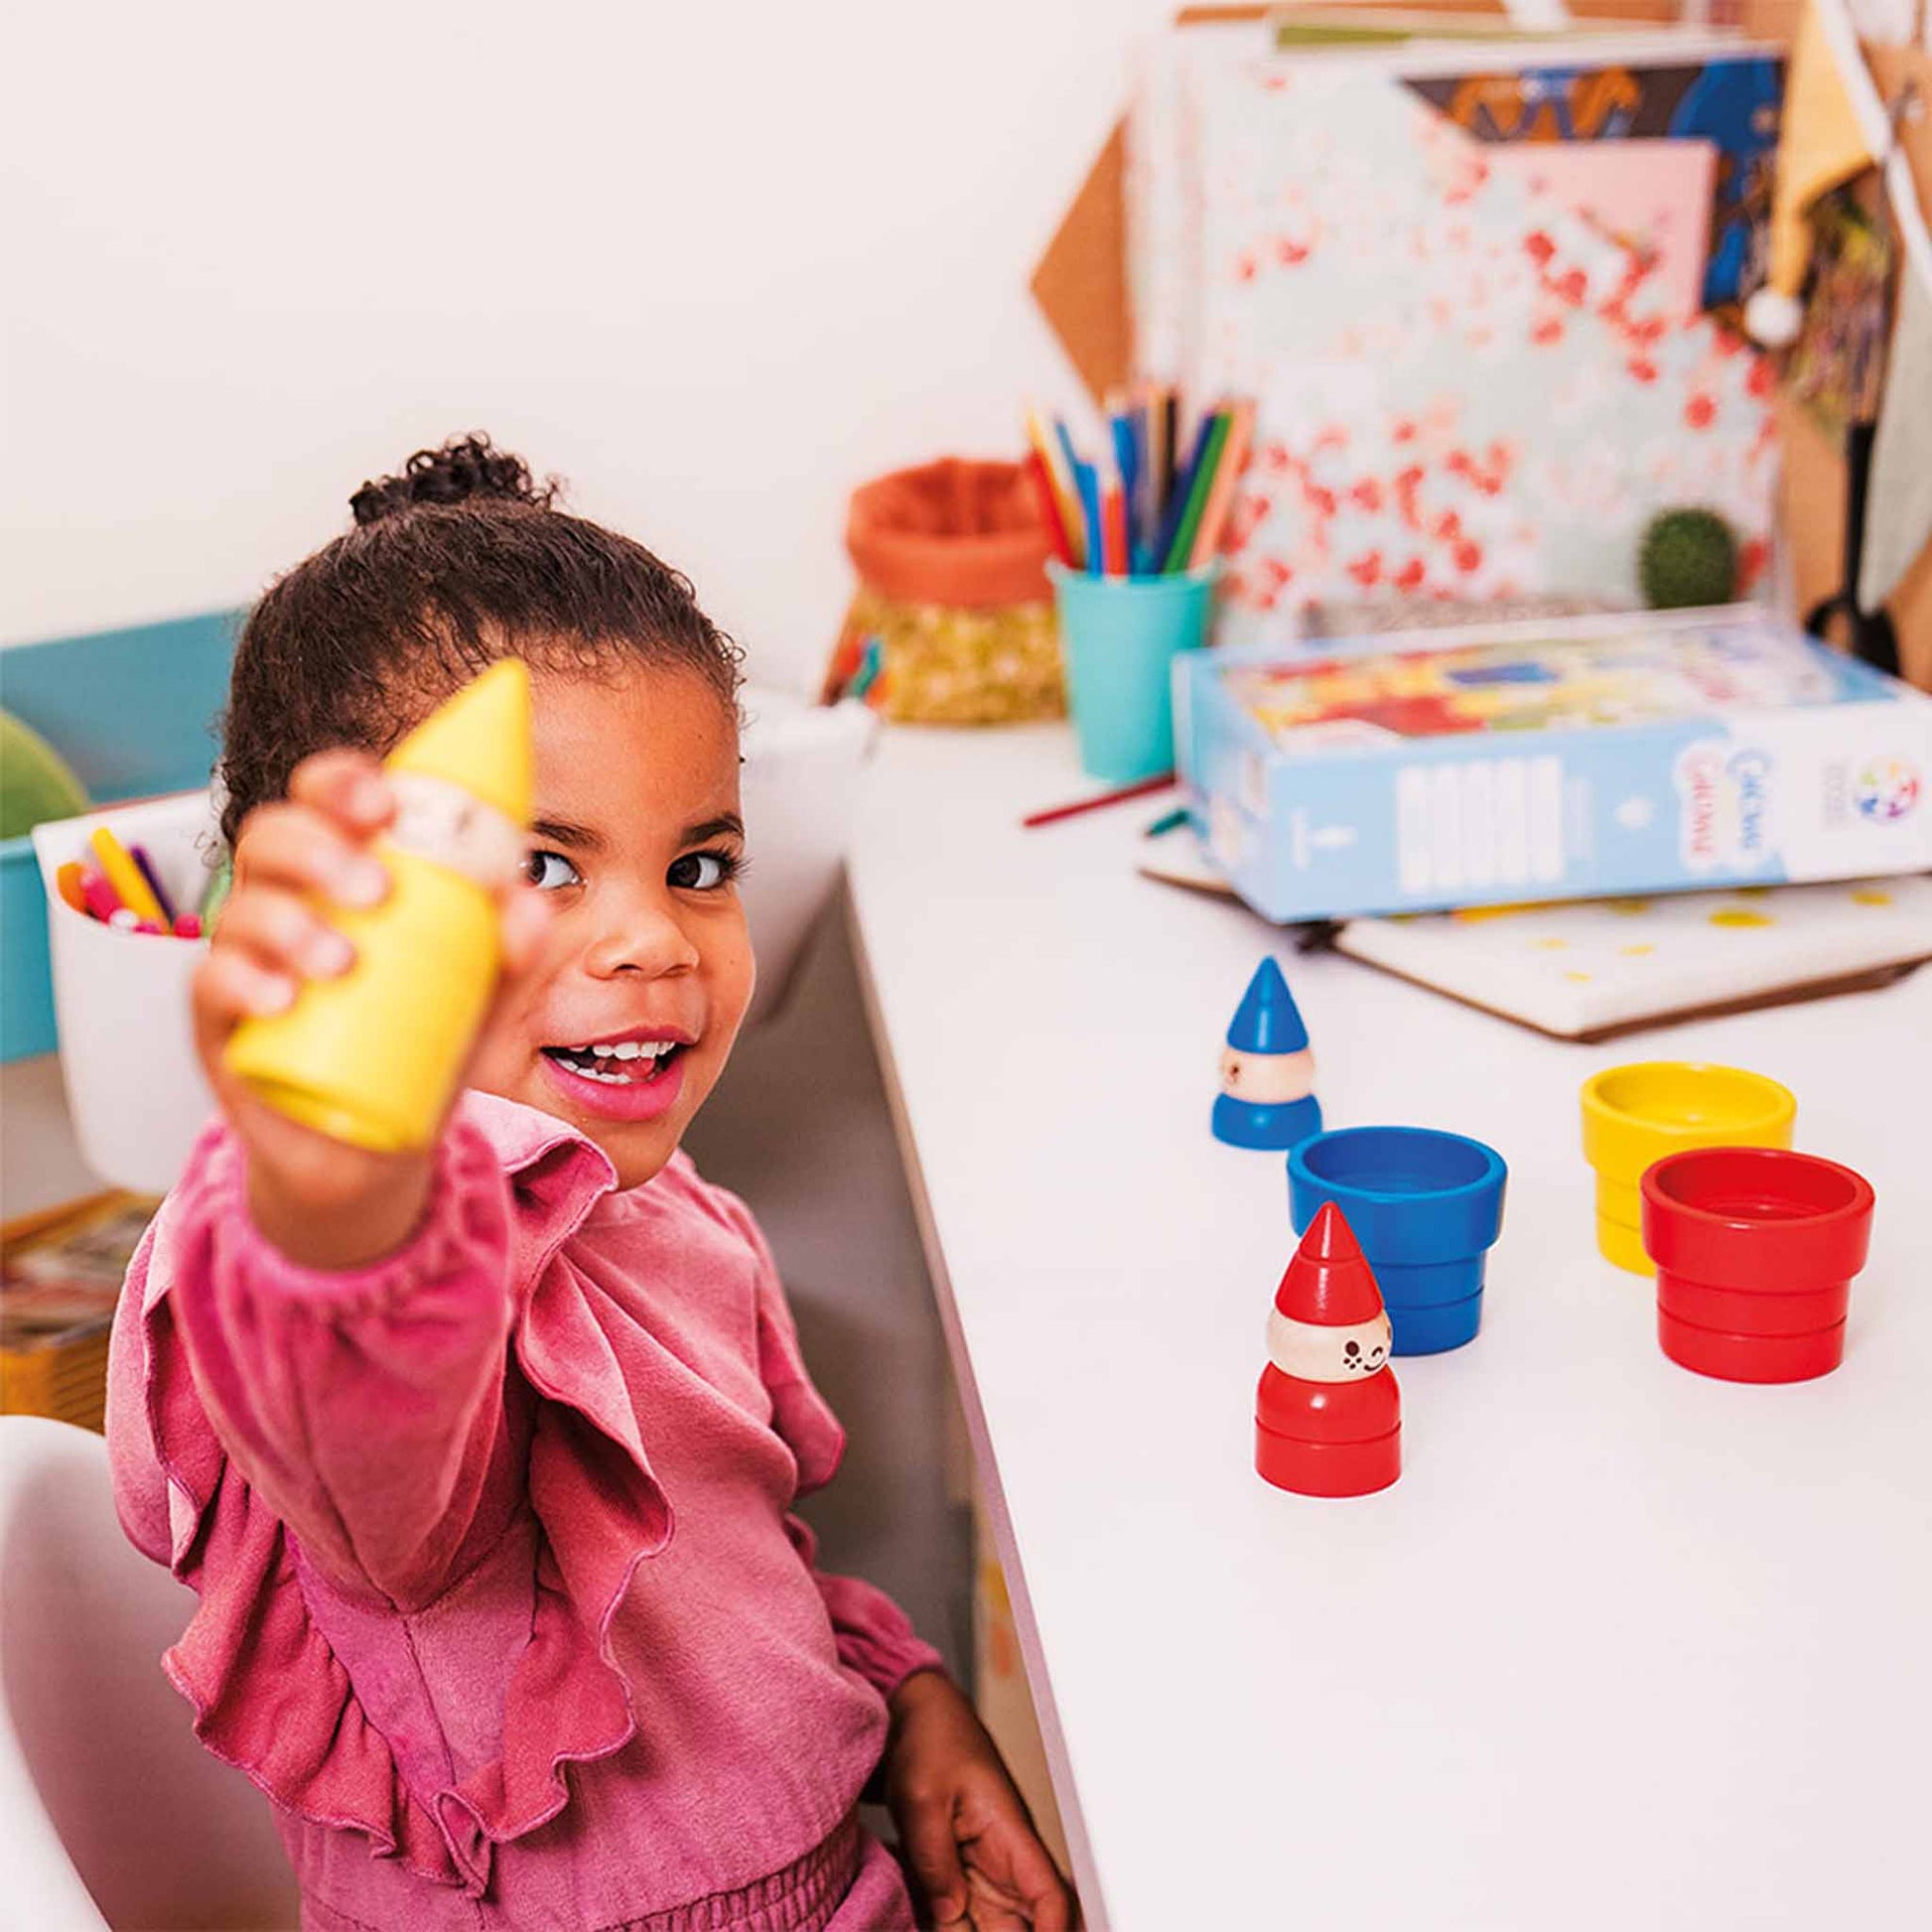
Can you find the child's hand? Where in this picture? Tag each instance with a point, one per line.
(323, 1203)
(963, 1825)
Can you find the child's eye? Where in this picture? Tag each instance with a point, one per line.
(550, 872)
(704, 872)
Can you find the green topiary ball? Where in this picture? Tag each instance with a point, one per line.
(1687, 558)
(35, 782)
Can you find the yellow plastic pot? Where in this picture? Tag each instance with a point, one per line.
(1635, 1115)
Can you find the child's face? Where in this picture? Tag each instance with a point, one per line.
(627, 1019)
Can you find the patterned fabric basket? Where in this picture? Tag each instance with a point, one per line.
(953, 620)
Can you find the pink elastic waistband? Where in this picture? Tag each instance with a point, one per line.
(801, 1898)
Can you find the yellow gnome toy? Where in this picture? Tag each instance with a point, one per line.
(374, 1057)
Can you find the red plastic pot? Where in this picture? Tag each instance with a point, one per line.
(1756, 1250)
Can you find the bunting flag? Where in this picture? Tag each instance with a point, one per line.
(1834, 127)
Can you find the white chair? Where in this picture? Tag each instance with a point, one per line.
(112, 1813)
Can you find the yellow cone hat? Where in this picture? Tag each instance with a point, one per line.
(479, 739)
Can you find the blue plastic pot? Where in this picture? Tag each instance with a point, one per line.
(1426, 1206)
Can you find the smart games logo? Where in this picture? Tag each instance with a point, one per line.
(1885, 790)
(1725, 800)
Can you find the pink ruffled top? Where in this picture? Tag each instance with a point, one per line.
(502, 1601)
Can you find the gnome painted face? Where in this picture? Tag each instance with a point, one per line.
(453, 826)
(1316, 1353)
(1267, 1079)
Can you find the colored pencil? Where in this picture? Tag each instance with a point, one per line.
(1220, 495)
(67, 882)
(1049, 507)
(1054, 813)
(1088, 479)
(1184, 483)
(869, 661)
(1113, 527)
(1169, 434)
(1198, 486)
(1069, 455)
(1127, 461)
(139, 854)
(100, 894)
(217, 893)
(123, 875)
(1052, 462)
(1145, 511)
(1167, 822)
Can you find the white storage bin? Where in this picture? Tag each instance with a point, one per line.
(127, 1048)
(804, 770)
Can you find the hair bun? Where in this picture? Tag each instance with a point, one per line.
(464, 470)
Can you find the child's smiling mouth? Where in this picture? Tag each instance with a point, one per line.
(635, 1076)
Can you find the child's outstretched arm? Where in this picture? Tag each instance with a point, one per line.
(346, 1313)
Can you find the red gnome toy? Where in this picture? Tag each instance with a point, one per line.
(1327, 1414)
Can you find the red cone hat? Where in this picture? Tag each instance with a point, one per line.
(1329, 1282)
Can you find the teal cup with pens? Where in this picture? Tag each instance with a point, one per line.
(1119, 637)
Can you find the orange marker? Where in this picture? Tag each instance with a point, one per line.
(67, 881)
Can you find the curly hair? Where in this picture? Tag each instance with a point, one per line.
(457, 561)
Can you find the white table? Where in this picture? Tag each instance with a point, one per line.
(1625, 1648)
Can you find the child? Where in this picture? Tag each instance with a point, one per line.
(481, 1461)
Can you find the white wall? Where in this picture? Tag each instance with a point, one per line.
(712, 263)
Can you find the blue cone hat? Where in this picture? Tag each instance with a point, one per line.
(1266, 1019)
